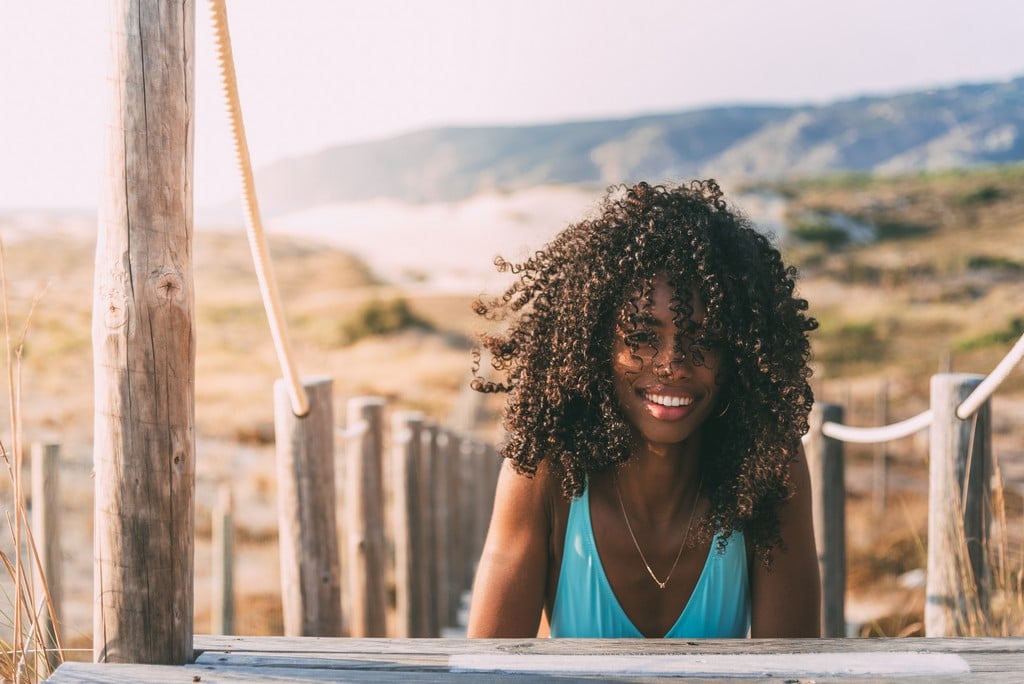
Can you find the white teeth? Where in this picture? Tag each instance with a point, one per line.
(668, 401)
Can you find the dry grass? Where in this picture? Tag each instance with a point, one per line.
(35, 647)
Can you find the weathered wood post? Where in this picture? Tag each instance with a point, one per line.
(409, 550)
(144, 343)
(428, 478)
(880, 470)
(45, 459)
(482, 514)
(222, 594)
(364, 509)
(828, 494)
(958, 509)
(441, 571)
(308, 533)
(456, 541)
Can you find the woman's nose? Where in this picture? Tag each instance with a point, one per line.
(670, 366)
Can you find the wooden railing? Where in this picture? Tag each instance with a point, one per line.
(413, 503)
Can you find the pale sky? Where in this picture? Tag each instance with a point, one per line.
(313, 73)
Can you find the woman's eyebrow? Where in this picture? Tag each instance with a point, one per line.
(649, 320)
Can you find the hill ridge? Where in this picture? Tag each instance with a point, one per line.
(956, 127)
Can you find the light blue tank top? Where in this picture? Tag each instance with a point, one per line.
(586, 606)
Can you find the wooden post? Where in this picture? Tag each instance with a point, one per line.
(424, 538)
(482, 515)
(144, 343)
(308, 533)
(425, 475)
(45, 461)
(407, 439)
(222, 599)
(828, 494)
(439, 503)
(958, 509)
(364, 509)
(455, 510)
(880, 471)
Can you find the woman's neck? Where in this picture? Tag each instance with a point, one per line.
(659, 477)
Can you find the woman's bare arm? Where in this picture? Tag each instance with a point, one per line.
(786, 599)
(509, 589)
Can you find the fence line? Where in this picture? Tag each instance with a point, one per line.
(905, 428)
(958, 502)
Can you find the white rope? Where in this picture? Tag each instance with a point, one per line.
(905, 428)
(253, 222)
(876, 435)
(984, 390)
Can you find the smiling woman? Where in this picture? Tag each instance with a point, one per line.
(656, 365)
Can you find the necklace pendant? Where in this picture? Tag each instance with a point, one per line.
(661, 585)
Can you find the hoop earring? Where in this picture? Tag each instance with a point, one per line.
(725, 410)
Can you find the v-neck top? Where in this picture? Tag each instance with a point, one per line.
(586, 606)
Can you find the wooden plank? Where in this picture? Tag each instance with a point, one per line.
(143, 332)
(208, 643)
(279, 659)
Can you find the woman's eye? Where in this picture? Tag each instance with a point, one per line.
(640, 338)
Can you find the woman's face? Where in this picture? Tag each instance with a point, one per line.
(665, 396)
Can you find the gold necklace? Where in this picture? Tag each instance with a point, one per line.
(679, 554)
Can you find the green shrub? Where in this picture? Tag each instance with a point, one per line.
(381, 317)
(900, 230)
(986, 194)
(1013, 330)
(853, 342)
(984, 261)
(820, 231)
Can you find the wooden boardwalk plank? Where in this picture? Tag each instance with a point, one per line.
(284, 659)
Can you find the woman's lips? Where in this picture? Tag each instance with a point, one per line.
(667, 405)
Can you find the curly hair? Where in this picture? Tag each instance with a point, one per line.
(555, 351)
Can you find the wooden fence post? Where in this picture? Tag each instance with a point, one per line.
(45, 459)
(143, 335)
(364, 510)
(426, 472)
(880, 470)
(482, 514)
(222, 595)
(308, 533)
(424, 532)
(440, 504)
(828, 494)
(456, 541)
(958, 509)
(407, 443)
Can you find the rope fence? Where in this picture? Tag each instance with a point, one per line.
(960, 502)
(905, 428)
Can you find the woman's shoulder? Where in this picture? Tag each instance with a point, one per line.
(539, 491)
